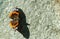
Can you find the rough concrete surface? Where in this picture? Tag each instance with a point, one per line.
(42, 15)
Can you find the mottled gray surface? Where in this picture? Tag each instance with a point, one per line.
(42, 15)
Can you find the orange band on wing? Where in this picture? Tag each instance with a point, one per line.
(13, 13)
(13, 25)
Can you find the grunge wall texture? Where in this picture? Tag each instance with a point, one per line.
(42, 15)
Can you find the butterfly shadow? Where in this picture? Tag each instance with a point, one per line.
(22, 27)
